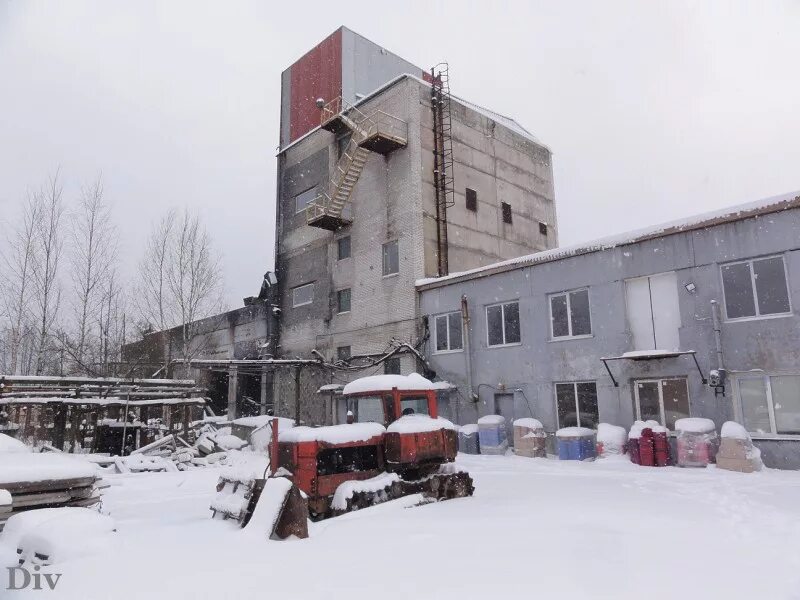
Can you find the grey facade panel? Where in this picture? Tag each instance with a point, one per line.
(530, 370)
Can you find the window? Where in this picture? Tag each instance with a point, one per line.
(770, 404)
(417, 405)
(343, 301)
(392, 366)
(502, 324)
(662, 400)
(369, 409)
(303, 199)
(302, 295)
(343, 248)
(576, 404)
(447, 332)
(472, 200)
(343, 352)
(569, 314)
(506, 212)
(391, 258)
(653, 314)
(543, 228)
(755, 288)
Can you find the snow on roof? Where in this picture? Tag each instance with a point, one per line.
(491, 420)
(333, 434)
(330, 387)
(419, 424)
(700, 221)
(42, 467)
(469, 428)
(110, 401)
(382, 383)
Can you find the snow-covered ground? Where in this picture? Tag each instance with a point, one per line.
(536, 527)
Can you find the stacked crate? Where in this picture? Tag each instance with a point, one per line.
(492, 434)
(736, 450)
(697, 441)
(576, 443)
(468, 442)
(530, 438)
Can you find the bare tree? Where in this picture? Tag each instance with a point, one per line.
(19, 262)
(112, 322)
(180, 279)
(94, 253)
(48, 249)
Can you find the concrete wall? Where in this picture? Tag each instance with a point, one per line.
(501, 166)
(769, 344)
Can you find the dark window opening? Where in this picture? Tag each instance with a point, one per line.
(343, 301)
(543, 228)
(343, 352)
(506, 212)
(392, 366)
(472, 200)
(343, 248)
(347, 460)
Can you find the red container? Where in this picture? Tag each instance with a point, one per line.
(633, 450)
(661, 446)
(646, 448)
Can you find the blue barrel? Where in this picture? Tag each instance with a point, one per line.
(576, 443)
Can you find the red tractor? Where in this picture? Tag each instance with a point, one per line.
(393, 444)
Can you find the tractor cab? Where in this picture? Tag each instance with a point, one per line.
(387, 405)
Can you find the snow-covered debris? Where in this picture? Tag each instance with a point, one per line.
(694, 425)
(65, 534)
(255, 421)
(10, 444)
(137, 463)
(43, 467)
(383, 383)
(419, 424)
(230, 442)
(345, 491)
(734, 430)
(574, 432)
(333, 434)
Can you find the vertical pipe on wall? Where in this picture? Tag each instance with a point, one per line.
(715, 316)
(465, 320)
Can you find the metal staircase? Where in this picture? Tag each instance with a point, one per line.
(376, 132)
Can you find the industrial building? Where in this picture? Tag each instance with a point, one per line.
(385, 177)
(692, 318)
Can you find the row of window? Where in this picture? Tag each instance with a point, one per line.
(303, 295)
(751, 288)
(471, 204)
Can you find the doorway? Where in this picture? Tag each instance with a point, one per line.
(662, 400)
(504, 406)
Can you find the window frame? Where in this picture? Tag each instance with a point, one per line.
(637, 409)
(436, 333)
(339, 353)
(297, 287)
(391, 360)
(503, 321)
(574, 385)
(738, 413)
(339, 247)
(469, 192)
(339, 310)
(566, 293)
(384, 246)
(296, 196)
(754, 290)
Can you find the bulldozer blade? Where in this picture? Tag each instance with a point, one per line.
(280, 510)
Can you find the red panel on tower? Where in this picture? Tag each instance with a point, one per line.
(317, 75)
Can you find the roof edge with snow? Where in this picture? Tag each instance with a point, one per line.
(719, 217)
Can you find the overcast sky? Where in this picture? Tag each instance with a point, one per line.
(653, 110)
